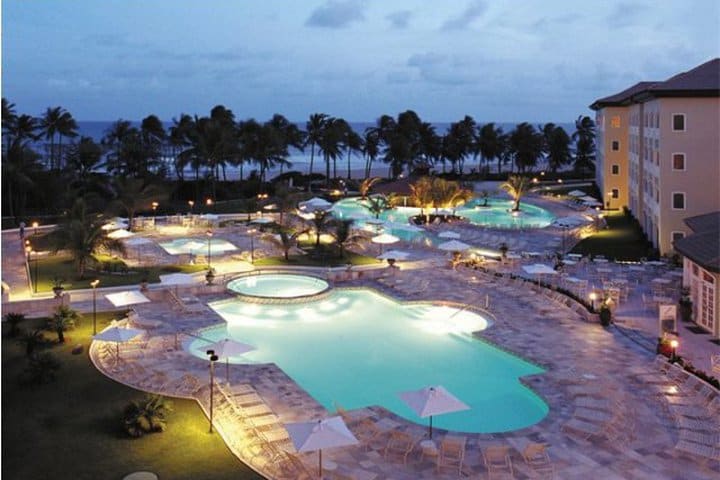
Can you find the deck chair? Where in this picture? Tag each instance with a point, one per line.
(400, 444)
(292, 467)
(497, 461)
(537, 458)
(367, 432)
(451, 453)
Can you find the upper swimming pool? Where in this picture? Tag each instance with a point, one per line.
(197, 246)
(358, 348)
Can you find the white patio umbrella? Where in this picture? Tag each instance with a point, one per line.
(433, 400)
(449, 234)
(209, 216)
(588, 198)
(116, 223)
(129, 297)
(262, 220)
(316, 435)
(118, 335)
(454, 246)
(539, 269)
(120, 233)
(137, 241)
(315, 203)
(227, 347)
(384, 239)
(577, 193)
(592, 203)
(177, 279)
(396, 254)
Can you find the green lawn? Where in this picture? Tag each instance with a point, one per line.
(310, 261)
(58, 266)
(70, 428)
(621, 241)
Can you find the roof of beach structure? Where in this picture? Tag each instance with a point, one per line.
(702, 246)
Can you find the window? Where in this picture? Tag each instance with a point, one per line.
(615, 145)
(678, 201)
(615, 169)
(678, 122)
(615, 193)
(615, 122)
(676, 236)
(678, 161)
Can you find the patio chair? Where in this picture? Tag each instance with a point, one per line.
(451, 453)
(367, 432)
(537, 458)
(400, 444)
(497, 461)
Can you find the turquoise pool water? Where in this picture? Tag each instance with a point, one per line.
(197, 246)
(359, 348)
(278, 285)
(495, 215)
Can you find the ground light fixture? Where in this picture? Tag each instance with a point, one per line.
(593, 297)
(674, 345)
(191, 204)
(94, 285)
(251, 232)
(154, 209)
(209, 234)
(213, 358)
(35, 225)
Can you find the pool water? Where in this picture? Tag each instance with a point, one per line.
(278, 285)
(197, 246)
(358, 348)
(495, 215)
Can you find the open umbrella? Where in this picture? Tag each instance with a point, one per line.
(384, 239)
(454, 246)
(129, 297)
(261, 220)
(116, 223)
(449, 234)
(315, 203)
(120, 233)
(539, 269)
(395, 254)
(577, 193)
(118, 335)
(434, 400)
(227, 348)
(316, 435)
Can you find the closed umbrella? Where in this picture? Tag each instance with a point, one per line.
(118, 335)
(433, 400)
(316, 435)
(227, 348)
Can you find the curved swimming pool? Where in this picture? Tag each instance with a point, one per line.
(358, 348)
(196, 246)
(270, 285)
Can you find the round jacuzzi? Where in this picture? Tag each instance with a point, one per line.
(278, 287)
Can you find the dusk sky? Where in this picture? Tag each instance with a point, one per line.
(529, 60)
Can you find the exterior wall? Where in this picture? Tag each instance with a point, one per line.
(700, 181)
(705, 294)
(612, 126)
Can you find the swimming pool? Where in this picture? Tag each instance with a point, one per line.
(197, 246)
(495, 215)
(358, 348)
(278, 285)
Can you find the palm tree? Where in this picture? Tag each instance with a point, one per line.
(82, 160)
(41, 369)
(556, 145)
(490, 143)
(81, 234)
(314, 126)
(180, 134)
(330, 144)
(290, 135)
(284, 199)
(351, 140)
(421, 195)
(584, 138)
(64, 318)
(133, 194)
(31, 340)
(19, 168)
(147, 415)
(377, 204)
(285, 239)
(526, 145)
(152, 137)
(24, 127)
(8, 115)
(57, 121)
(344, 236)
(516, 186)
(117, 141)
(321, 221)
(366, 185)
(370, 148)
(14, 320)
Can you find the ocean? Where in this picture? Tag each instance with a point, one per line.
(301, 160)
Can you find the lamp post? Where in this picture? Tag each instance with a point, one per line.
(35, 225)
(28, 253)
(94, 285)
(191, 204)
(209, 234)
(251, 232)
(208, 203)
(674, 345)
(593, 297)
(564, 229)
(213, 358)
(154, 209)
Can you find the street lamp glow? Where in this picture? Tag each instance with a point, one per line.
(94, 285)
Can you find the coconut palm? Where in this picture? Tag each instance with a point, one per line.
(330, 144)
(584, 138)
(345, 237)
(321, 220)
(134, 194)
(377, 204)
(81, 234)
(57, 121)
(8, 115)
(14, 319)
(147, 415)
(421, 195)
(284, 199)
(63, 318)
(489, 143)
(314, 128)
(516, 186)
(19, 168)
(370, 148)
(351, 141)
(556, 146)
(40, 369)
(285, 239)
(526, 145)
(366, 185)
(31, 340)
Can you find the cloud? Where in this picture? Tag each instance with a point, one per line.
(443, 70)
(625, 14)
(399, 77)
(473, 11)
(545, 23)
(399, 19)
(336, 14)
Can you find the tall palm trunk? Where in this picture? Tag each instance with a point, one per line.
(310, 171)
(349, 176)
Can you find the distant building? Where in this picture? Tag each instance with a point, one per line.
(658, 151)
(701, 269)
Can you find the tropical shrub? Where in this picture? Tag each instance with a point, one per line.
(14, 319)
(31, 339)
(64, 318)
(40, 369)
(146, 416)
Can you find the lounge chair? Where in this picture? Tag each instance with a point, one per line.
(537, 458)
(582, 428)
(451, 453)
(497, 461)
(367, 432)
(293, 468)
(400, 444)
(698, 449)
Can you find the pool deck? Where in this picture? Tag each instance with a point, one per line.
(637, 438)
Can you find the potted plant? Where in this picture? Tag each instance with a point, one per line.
(605, 315)
(210, 276)
(503, 250)
(58, 286)
(685, 304)
(144, 281)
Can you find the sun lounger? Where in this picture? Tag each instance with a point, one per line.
(497, 462)
(451, 453)
(537, 458)
(582, 428)
(400, 444)
(367, 432)
(698, 449)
